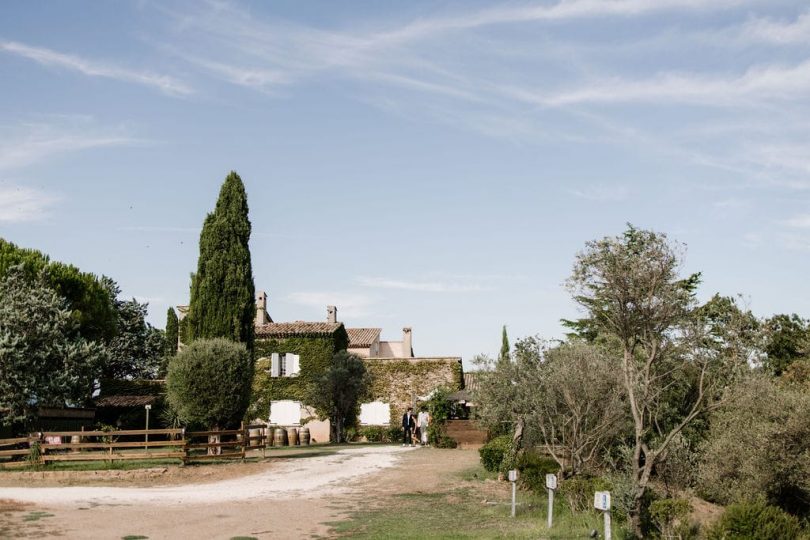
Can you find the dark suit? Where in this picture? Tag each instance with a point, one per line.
(408, 425)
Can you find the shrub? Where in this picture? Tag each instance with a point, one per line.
(208, 383)
(759, 446)
(671, 518)
(493, 452)
(533, 470)
(754, 520)
(375, 433)
(578, 491)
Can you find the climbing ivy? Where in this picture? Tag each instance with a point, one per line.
(315, 354)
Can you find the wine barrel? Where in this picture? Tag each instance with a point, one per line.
(280, 437)
(292, 436)
(303, 436)
(254, 433)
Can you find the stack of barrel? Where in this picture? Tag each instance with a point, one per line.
(291, 436)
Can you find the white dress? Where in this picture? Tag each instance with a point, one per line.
(422, 421)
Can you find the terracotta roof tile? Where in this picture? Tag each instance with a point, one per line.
(363, 337)
(125, 401)
(298, 328)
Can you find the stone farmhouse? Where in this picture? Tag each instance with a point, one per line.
(291, 356)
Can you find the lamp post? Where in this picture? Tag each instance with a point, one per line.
(148, 408)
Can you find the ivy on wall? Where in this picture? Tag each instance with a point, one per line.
(315, 354)
(399, 381)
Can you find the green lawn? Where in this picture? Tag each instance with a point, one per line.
(460, 512)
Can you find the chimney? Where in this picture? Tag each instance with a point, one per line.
(261, 309)
(407, 342)
(331, 314)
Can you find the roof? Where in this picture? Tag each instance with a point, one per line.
(363, 337)
(125, 401)
(298, 328)
(471, 381)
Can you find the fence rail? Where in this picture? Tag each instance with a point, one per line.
(137, 444)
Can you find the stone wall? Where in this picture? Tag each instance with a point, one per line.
(399, 381)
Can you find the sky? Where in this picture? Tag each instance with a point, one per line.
(428, 164)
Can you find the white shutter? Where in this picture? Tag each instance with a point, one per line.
(295, 364)
(275, 365)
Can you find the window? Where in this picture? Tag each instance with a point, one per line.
(284, 365)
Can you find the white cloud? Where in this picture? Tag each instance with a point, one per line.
(602, 193)
(419, 286)
(754, 85)
(22, 204)
(778, 32)
(348, 304)
(27, 144)
(48, 57)
(801, 221)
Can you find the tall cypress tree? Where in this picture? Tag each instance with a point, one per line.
(171, 333)
(222, 291)
(504, 354)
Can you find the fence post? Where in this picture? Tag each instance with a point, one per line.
(245, 439)
(184, 459)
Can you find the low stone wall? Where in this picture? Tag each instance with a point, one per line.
(399, 381)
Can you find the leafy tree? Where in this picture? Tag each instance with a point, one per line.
(631, 290)
(787, 338)
(337, 393)
(208, 383)
(569, 399)
(43, 359)
(222, 291)
(86, 296)
(136, 350)
(171, 334)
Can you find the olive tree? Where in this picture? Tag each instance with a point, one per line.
(337, 393)
(673, 365)
(208, 383)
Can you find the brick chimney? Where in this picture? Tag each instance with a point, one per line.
(331, 314)
(262, 317)
(407, 342)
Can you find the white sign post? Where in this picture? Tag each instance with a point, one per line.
(551, 485)
(601, 501)
(513, 479)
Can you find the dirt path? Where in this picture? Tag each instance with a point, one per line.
(293, 498)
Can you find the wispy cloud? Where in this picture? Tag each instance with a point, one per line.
(21, 204)
(30, 143)
(348, 304)
(419, 286)
(48, 57)
(801, 221)
(778, 31)
(602, 193)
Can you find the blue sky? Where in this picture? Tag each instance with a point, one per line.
(436, 165)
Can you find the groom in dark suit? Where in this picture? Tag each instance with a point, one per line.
(408, 425)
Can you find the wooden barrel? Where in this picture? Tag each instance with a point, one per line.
(75, 439)
(292, 436)
(303, 436)
(280, 437)
(253, 433)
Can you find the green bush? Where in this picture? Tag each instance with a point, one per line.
(375, 433)
(394, 434)
(208, 383)
(754, 520)
(671, 518)
(533, 470)
(493, 452)
(578, 491)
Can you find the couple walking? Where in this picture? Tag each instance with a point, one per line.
(415, 427)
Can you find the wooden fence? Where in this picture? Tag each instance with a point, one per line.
(133, 444)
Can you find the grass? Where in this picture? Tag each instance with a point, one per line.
(476, 507)
(36, 516)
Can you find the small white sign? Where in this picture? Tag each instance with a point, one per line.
(551, 481)
(601, 500)
(513, 475)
